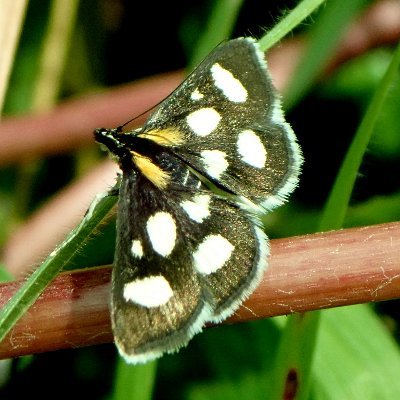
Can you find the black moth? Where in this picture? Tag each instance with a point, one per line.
(184, 254)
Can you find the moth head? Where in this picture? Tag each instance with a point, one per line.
(110, 140)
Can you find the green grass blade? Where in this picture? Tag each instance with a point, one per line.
(295, 355)
(324, 37)
(219, 27)
(134, 381)
(42, 276)
(343, 337)
(336, 206)
(12, 18)
(299, 340)
(53, 57)
(302, 11)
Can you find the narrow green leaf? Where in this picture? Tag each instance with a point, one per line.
(42, 276)
(336, 206)
(219, 27)
(302, 11)
(344, 340)
(323, 39)
(134, 381)
(297, 347)
(295, 355)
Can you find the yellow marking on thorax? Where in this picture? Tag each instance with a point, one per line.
(164, 137)
(151, 171)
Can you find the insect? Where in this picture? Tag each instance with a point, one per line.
(187, 254)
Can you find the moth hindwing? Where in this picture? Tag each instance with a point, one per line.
(184, 254)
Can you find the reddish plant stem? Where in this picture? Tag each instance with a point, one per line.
(306, 273)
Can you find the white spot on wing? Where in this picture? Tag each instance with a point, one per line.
(152, 291)
(161, 228)
(203, 121)
(212, 254)
(137, 249)
(231, 87)
(215, 162)
(198, 208)
(251, 149)
(196, 95)
(251, 283)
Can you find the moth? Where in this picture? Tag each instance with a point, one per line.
(211, 159)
